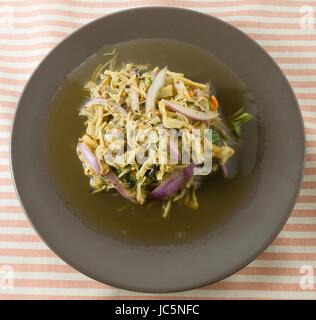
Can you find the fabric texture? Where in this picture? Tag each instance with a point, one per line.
(30, 28)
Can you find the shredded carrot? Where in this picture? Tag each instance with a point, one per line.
(191, 93)
(214, 103)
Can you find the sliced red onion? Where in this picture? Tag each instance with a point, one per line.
(119, 186)
(173, 183)
(89, 157)
(134, 100)
(153, 91)
(191, 113)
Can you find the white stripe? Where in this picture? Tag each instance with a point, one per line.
(76, 276)
(5, 122)
(305, 206)
(298, 66)
(310, 164)
(19, 230)
(309, 178)
(291, 249)
(298, 234)
(23, 64)
(265, 278)
(5, 175)
(281, 263)
(251, 18)
(5, 98)
(12, 87)
(302, 220)
(22, 53)
(271, 31)
(15, 76)
(309, 125)
(3, 162)
(307, 101)
(30, 42)
(7, 110)
(310, 149)
(311, 114)
(12, 217)
(292, 54)
(308, 192)
(4, 134)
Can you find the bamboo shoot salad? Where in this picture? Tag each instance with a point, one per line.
(147, 101)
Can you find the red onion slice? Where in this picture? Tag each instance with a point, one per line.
(119, 186)
(153, 91)
(89, 157)
(191, 113)
(173, 183)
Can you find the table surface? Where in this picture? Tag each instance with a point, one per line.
(28, 31)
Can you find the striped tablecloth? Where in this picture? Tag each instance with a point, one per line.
(30, 28)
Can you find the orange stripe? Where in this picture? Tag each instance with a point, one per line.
(8, 104)
(266, 25)
(306, 199)
(11, 209)
(310, 171)
(299, 227)
(7, 195)
(14, 223)
(303, 213)
(4, 141)
(304, 84)
(309, 184)
(20, 238)
(5, 128)
(3, 155)
(4, 168)
(257, 286)
(27, 253)
(39, 283)
(16, 70)
(264, 271)
(287, 256)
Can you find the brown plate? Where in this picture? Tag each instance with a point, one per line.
(251, 227)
